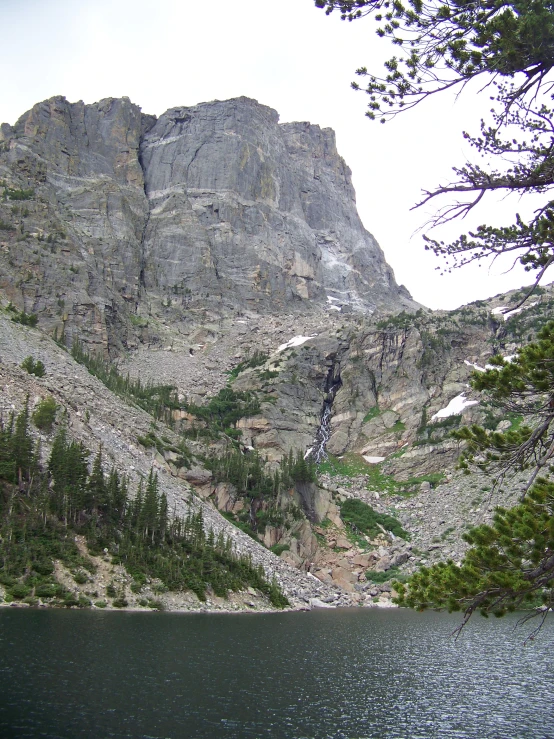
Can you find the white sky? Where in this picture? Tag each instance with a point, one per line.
(285, 54)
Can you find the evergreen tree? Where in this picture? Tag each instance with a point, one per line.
(7, 461)
(68, 466)
(511, 563)
(96, 498)
(150, 508)
(117, 497)
(443, 44)
(22, 447)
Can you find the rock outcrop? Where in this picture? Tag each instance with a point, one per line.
(134, 222)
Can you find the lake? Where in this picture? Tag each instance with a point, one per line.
(329, 674)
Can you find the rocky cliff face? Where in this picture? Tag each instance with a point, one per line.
(188, 246)
(132, 221)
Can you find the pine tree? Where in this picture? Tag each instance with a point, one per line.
(150, 509)
(511, 563)
(22, 447)
(441, 45)
(96, 498)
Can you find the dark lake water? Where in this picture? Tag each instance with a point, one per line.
(351, 674)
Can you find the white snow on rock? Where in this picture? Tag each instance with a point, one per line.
(373, 460)
(455, 407)
(475, 366)
(295, 341)
(503, 310)
(331, 300)
(508, 358)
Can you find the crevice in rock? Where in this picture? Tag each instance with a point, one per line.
(142, 258)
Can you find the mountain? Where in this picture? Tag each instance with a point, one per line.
(210, 269)
(208, 209)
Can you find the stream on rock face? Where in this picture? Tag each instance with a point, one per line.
(332, 385)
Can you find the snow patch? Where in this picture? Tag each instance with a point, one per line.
(373, 460)
(507, 313)
(308, 452)
(295, 341)
(508, 358)
(455, 407)
(475, 366)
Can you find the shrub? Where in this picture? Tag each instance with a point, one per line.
(365, 519)
(120, 602)
(43, 567)
(45, 413)
(380, 577)
(278, 549)
(80, 578)
(19, 590)
(33, 368)
(25, 319)
(46, 590)
(70, 600)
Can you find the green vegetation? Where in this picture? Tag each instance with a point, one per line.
(45, 413)
(349, 465)
(363, 518)
(222, 412)
(158, 400)
(219, 415)
(352, 465)
(404, 487)
(279, 548)
(10, 193)
(391, 574)
(508, 566)
(397, 322)
(163, 445)
(25, 319)
(256, 360)
(268, 375)
(437, 431)
(259, 487)
(398, 427)
(510, 563)
(33, 368)
(41, 510)
(521, 388)
(372, 413)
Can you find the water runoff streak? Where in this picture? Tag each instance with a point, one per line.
(332, 385)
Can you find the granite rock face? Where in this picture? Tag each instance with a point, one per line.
(241, 203)
(215, 207)
(86, 215)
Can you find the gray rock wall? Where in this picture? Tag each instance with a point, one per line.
(216, 206)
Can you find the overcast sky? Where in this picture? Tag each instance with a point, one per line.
(285, 54)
